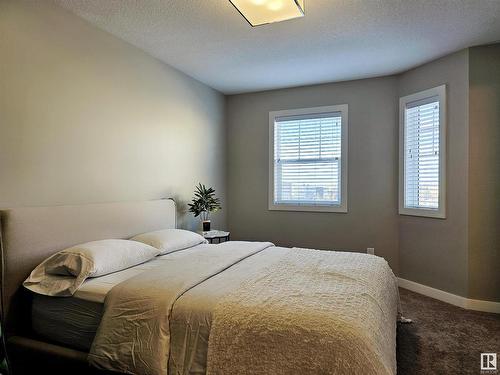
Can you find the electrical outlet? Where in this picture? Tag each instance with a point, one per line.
(370, 250)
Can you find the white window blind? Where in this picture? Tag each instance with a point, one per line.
(422, 154)
(307, 159)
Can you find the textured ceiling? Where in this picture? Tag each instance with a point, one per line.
(336, 40)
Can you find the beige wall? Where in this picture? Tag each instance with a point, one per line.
(86, 117)
(433, 252)
(484, 172)
(372, 188)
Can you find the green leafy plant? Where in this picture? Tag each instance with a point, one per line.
(204, 202)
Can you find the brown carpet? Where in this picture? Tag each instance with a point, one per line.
(444, 339)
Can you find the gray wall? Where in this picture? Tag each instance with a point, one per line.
(484, 172)
(433, 252)
(429, 251)
(372, 183)
(86, 117)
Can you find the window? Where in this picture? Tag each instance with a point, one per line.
(308, 159)
(422, 145)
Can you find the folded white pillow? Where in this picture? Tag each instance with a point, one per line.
(64, 272)
(170, 240)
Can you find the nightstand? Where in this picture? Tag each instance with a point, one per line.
(218, 235)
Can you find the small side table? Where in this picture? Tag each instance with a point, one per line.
(218, 235)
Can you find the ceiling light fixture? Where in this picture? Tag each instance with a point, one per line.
(261, 12)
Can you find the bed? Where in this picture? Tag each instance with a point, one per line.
(237, 307)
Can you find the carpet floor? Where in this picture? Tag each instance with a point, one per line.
(444, 339)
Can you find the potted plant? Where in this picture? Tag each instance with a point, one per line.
(203, 203)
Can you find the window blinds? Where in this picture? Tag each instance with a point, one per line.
(307, 165)
(421, 137)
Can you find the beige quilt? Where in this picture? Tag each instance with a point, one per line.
(311, 313)
(241, 308)
(134, 334)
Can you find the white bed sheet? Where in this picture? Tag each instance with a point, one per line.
(95, 289)
(73, 321)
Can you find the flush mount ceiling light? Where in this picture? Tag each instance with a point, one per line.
(261, 12)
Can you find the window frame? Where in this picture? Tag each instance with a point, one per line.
(342, 207)
(440, 212)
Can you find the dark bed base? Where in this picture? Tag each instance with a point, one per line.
(31, 356)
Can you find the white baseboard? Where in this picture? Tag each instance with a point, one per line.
(465, 303)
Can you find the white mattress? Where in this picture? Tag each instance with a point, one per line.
(73, 321)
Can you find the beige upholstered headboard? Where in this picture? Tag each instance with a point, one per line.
(31, 234)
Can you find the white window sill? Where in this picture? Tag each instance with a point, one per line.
(422, 212)
(307, 208)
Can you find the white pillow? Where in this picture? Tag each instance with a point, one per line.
(64, 272)
(170, 240)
